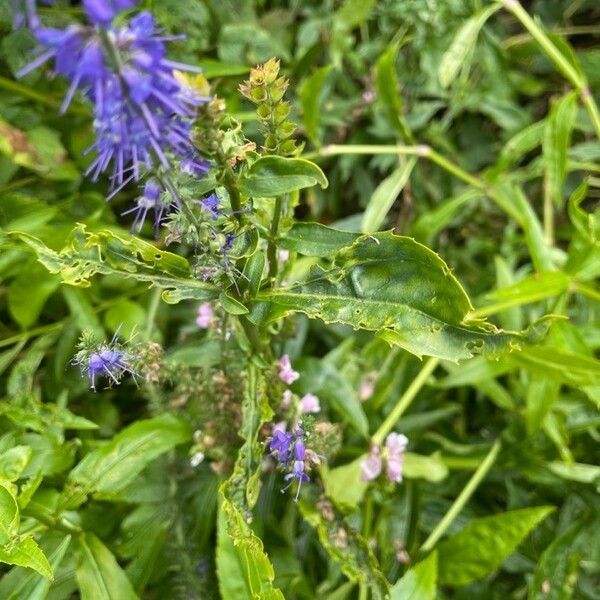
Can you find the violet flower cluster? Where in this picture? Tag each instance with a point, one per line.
(289, 447)
(143, 112)
(291, 453)
(392, 455)
(109, 361)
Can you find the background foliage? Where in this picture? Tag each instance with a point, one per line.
(451, 121)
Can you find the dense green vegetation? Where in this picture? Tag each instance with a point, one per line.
(405, 206)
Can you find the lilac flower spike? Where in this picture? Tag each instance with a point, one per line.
(393, 454)
(298, 469)
(142, 111)
(286, 373)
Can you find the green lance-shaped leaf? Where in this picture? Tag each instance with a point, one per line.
(399, 288)
(272, 176)
(484, 544)
(99, 576)
(557, 139)
(311, 92)
(346, 546)
(388, 94)
(419, 582)
(242, 487)
(110, 468)
(243, 568)
(314, 239)
(108, 253)
(9, 515)
(385, 195)
(459, 54)
(25, 552)
(26, 584)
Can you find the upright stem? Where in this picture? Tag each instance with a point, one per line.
(462, 498)
(404, 402)
(557, 57)
(272, 246)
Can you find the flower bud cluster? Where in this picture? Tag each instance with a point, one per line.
(266, 89)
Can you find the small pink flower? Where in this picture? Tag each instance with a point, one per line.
(396, 443)
(370, 468)
(286, 400)
(286, 373)
(283, 255)
(309, 403)
(205, 315)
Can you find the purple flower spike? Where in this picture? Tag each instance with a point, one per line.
(102, 12)
(211, 205)
(143, 111)
(150, 200)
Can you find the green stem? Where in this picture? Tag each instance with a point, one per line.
(462, 498)
(252, 334)
(152, 310)
(556, 56)
(455, 170)
(417, 383)
(272, 246)
(421, 150)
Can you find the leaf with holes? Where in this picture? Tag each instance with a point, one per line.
(403, 291)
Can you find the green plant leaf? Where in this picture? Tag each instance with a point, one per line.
(28, 293)
(99, 576)
(555, 576)
(484, 544)
(388, 93)
(108, 253)
(243, 569)
(311, 91)
(346, 546)
(430, 468)
(343, 485)
(353, 13)
(402, 290)
(25, 584)
(231, 305)
(460, 53)
(108, 469)
(385, 195)
(26, 553)
(272, 176)
(13, 461)
(314, 239)
(9, 515)
(557, 138)
(419, 582)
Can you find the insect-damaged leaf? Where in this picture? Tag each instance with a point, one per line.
(399, 288)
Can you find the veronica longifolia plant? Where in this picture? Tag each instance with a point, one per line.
(225, 205)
